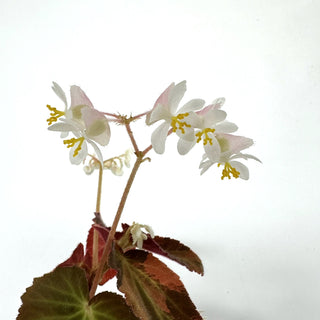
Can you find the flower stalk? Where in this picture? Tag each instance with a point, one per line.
(108, 245)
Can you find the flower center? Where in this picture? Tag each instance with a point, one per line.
(71, 142)
(177, 124)
(229, 170)
(206, 138)
(54, 114)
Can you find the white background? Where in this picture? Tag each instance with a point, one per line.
(258, 239)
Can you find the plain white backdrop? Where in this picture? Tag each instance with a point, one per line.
(258, 239)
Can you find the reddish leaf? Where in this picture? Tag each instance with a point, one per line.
(76, 258)
(96, 239)
(108, 275)
(151, 289)
(174, 250)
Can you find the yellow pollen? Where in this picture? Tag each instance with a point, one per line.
(55, 114)
(177, 121)
(229, 170)
(206, 137)
(71, 142)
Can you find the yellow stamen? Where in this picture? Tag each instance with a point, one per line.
(55, 114)
(206, 137)
(229, 170)
(71, 142)
(176, 121)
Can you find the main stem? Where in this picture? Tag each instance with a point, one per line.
(116, 220)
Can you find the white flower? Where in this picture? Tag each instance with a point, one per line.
(210, 121)
(230, 151)
(87, 124)
(138, 236)
(165, 108)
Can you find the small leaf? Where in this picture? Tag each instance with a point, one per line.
(76, 258)
(89, 261)
(174, 250)
(63, 294)
(151, 289)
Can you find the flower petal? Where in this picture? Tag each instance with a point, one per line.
(205, 165)
(184, 146)
(194, 120)
(214, 116)
(159, 136)
(175, 96)
(97, 126)
(245, 156)
(62, 127)
(218, 103)
(81, 154)
(213, 150)
(78, 97)
(60, 93)
(225, 127)
(234, 144)
(192, 105)
(240, 167)
(158, 113)
(96, 150)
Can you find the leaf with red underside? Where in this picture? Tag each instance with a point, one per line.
(152, 290)
(174, 250)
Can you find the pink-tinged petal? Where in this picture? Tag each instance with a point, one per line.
(159, 136)
(225, 127)
(184, 146)
(97, 126)
(205, 110)
(161, 101)
(216, 104)
(213, 150)
(59, 92)
(192, 105)
(158, 113)
(233, 144)
(241, 168)
(164, 97)
(79, 98)
(175, 96)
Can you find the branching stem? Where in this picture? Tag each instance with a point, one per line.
(106, 251)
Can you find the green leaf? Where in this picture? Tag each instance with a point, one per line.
(151, 289)
(63, 294)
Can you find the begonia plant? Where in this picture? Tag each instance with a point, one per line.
(148, 288)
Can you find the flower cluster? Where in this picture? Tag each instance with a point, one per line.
(87, 124)
(194, 123)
